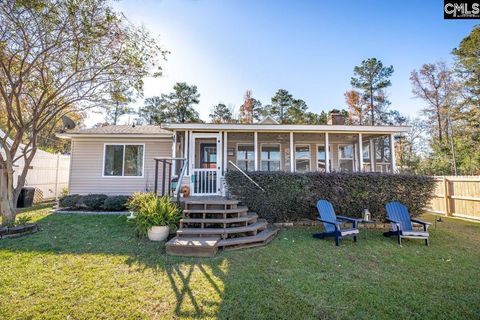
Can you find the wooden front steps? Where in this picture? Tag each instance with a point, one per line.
(260, 239)
(210, 224)
(250, 217)
(197, 247)
(223, 232)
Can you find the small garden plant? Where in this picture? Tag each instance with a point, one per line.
(23, 220)
(151, 210)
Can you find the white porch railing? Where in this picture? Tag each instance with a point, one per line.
(205, 181)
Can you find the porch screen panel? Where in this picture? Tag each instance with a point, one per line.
(246, 157)
(366, 155)
(270, 157)
(345, 157)
(302, 158)
(382, 154)
(321, 156)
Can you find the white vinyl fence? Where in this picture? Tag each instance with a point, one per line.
(48, 174)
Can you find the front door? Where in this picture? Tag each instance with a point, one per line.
(206, 163)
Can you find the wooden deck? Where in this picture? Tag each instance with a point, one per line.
(211, 223)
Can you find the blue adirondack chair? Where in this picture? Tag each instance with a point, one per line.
(401, 222)
(332, 223)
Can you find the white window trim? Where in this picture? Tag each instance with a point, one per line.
(340, 158)
(316, 154)
(123, 163)
(279, 149)
(245, 144)
(309, 158)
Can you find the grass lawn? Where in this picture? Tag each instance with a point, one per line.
(92, 267)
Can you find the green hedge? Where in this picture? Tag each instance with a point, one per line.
(94, 202)
(116, 203)
(293, 196)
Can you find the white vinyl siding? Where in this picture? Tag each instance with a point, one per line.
(87, 157)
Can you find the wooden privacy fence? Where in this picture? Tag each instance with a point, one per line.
(457, 196)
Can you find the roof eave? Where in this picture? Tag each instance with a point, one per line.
(276, 127)
(112, 135)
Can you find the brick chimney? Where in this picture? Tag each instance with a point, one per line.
(335, 118)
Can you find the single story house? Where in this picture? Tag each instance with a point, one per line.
(121, 159)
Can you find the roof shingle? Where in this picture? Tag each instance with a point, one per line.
(122, 129)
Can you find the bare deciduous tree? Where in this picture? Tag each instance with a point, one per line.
(435, 84)
(56, 57)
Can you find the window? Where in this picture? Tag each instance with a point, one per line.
(321, 156)
(123, 160)
(270, 157)
(302, 158)
(208, 155)
(246, 157)
(345, 157)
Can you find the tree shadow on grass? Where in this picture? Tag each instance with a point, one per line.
(196, 283)
(285, 279)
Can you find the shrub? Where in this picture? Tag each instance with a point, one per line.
(93, 201)
(151, 211)
(116, 203)
(69, 201)
(140, 199)
(293, 196)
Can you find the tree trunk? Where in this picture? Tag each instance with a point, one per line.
(371, 106)
(8, 200)
(439, 120)
(115, 117)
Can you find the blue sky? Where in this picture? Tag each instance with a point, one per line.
(307, 47)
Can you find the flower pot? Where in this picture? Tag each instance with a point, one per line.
(158, 233)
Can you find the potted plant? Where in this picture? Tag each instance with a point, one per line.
(154, 216)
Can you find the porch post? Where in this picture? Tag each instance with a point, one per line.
(174, 154)
(372, 155)
(225, 155)
(360, 151)
(255, 149)
(191, 151)
(292, 159)
(327, 153)
(392, 153)
(220, 151)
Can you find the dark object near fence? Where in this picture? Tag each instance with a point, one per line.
(401, 222)
(332, 223)
(25, 199)
(18, 231)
